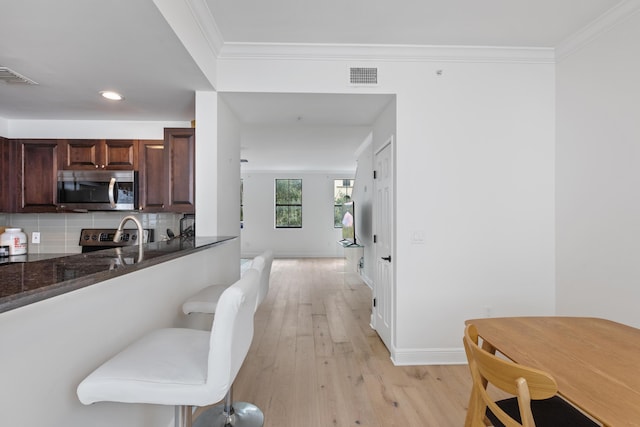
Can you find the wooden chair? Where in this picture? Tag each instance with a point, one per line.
(535, 402)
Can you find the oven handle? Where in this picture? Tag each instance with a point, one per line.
(112, 196)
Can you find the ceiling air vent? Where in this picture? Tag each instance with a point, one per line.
(7, 75)
(363, 76)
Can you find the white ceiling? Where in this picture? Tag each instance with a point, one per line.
(75, 48)
(531, 23)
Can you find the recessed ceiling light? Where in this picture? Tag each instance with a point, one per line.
(114, 96)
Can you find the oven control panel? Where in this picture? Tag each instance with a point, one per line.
(104, 237)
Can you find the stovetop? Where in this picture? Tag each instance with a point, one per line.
(103, 237)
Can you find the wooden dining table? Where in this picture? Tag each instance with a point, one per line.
(596, 362)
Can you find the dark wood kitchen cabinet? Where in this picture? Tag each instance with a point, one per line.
(180, 164)
(111, 154)
(151, 175)
(5, 173)
(167, 172)
(34, 175)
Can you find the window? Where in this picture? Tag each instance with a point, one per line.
(288, 203)
(342, 189)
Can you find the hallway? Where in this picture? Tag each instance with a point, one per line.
(315, 361)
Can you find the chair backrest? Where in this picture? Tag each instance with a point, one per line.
(518, 380)
(232, 331)
(262, 263)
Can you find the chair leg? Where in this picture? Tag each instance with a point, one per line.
(183, 416)
(231, 414)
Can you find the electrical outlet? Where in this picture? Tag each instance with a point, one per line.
(35, 237)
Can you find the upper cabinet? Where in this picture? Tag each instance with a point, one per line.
(88, 154)
(29, 169)
(180, 164)
(167, 172)
(5, 173)
(34, 175)
(152, 175)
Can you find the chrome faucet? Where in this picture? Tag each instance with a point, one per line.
(116, 237)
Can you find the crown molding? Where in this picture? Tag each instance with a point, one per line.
(409, 53)
(604, 23)
(205, 21)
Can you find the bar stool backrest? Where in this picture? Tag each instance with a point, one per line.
(262, 263)
(232, 331)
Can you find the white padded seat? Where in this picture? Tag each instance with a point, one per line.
(166, 367)
(181, 367)
(205, 300)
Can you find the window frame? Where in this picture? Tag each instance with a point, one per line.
(290, 204)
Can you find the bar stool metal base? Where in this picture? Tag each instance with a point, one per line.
(243, 415)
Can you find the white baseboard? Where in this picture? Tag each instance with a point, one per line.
(284, 254)
(366, 280)
(429, 356)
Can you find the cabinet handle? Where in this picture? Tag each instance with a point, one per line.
(387, 258)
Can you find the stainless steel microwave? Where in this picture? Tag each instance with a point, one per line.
(101, 190)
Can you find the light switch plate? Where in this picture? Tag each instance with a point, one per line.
(417, 237)
(35, 237)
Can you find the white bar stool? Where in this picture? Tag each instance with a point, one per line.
(230, 413)
(205, 300)
(182, 367)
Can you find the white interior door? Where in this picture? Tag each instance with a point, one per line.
(383, 242)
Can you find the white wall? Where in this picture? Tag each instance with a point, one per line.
(228, 200)
(475, 173)
(598, 178)
(4, 127)
(206, 163)
(316, 238)
(318, 147)
(98, 129)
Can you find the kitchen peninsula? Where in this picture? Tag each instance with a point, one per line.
(63, 317)
(28, 282)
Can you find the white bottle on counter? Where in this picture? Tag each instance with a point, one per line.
(15, 239)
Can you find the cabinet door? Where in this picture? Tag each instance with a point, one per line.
(5, 171)
(114, 154)
(82, 154)
(120, 154)
(36, 175)
(152, 176)
(180, 147)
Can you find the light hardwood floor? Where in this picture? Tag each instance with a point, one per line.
(315, 361)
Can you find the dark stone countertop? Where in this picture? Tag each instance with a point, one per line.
(30, 258)
(24, 283)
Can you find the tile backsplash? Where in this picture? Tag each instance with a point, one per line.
(60, 233)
